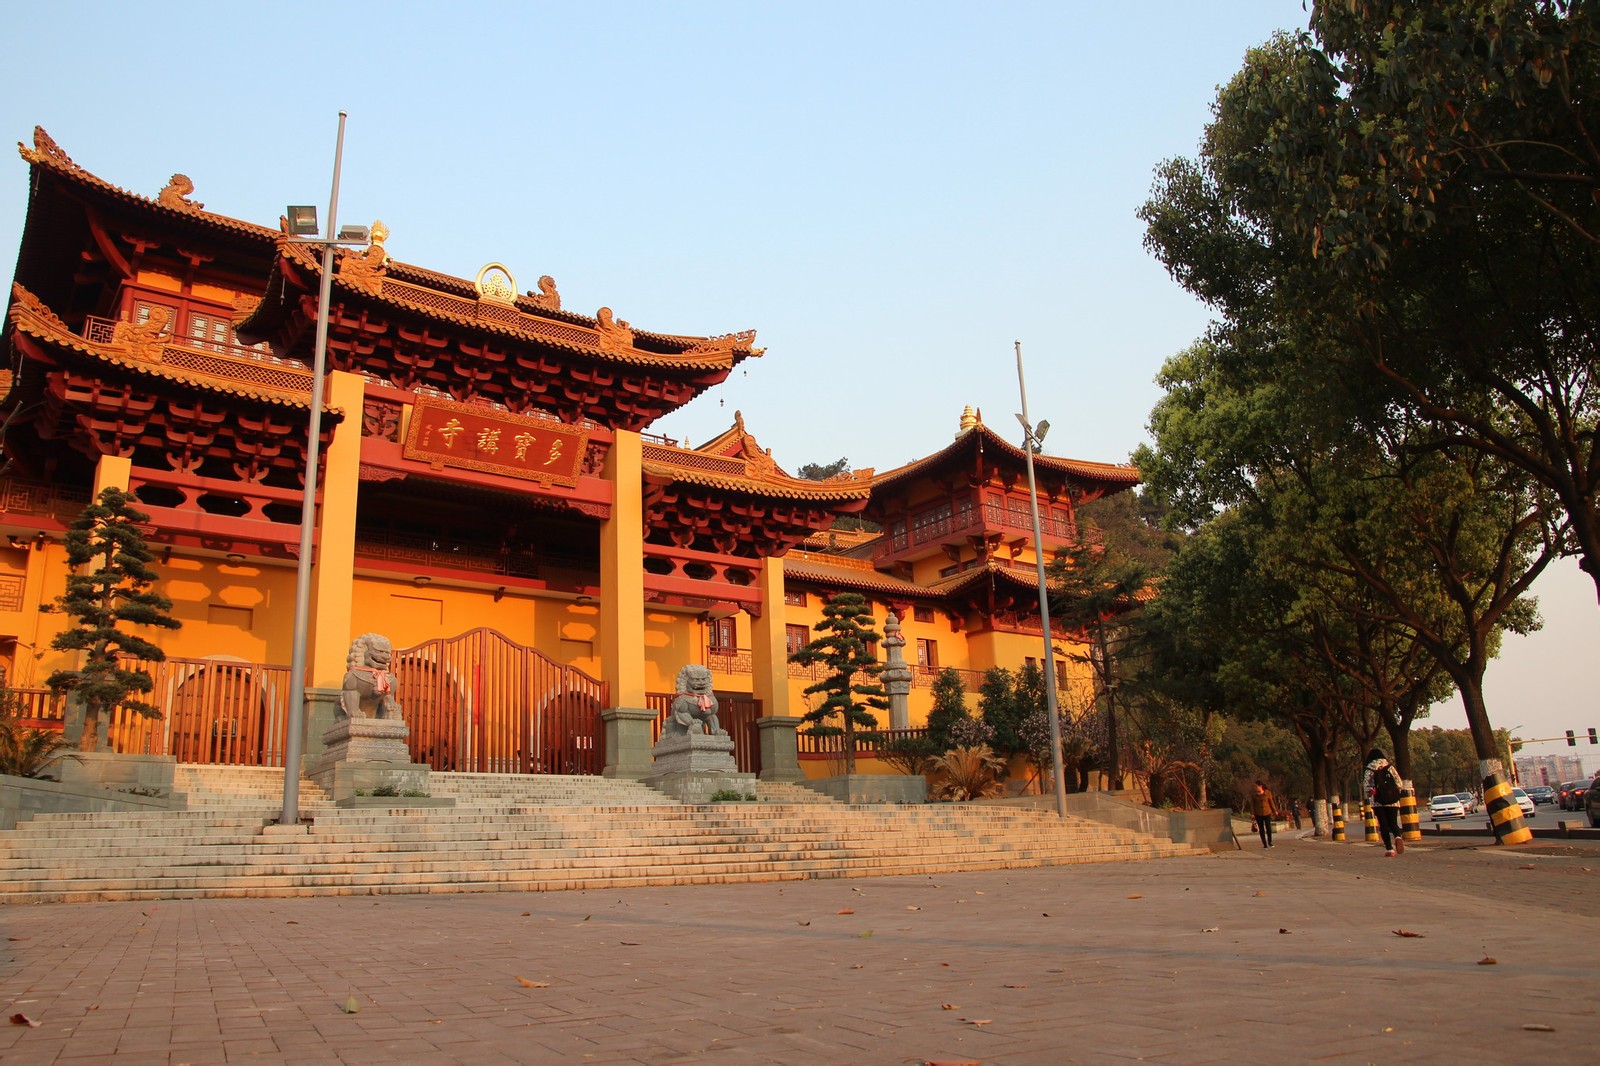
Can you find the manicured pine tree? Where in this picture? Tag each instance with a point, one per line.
(845, 651)
(108, 587)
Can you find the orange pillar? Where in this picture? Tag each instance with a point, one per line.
(622, 648)
(769, 646)
(334, 570)
(112, 472)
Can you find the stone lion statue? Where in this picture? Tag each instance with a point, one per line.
(368, 686)
(694, 708)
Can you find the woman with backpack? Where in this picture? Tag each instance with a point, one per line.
(1384, 789)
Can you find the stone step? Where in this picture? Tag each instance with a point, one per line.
(377, 876)
(518, 833)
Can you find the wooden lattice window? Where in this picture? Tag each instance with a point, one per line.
(794, 599)
(927, 653)
(796, 637)
(922, 614)
(724, 636)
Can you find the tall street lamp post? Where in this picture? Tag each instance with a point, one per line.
(303, 229)
(1033, 436)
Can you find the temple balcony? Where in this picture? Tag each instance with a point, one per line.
(932, 533)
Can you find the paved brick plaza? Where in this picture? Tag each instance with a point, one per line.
(1253, 956)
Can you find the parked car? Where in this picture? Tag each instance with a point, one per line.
(1525, 801)
(1446, 806)
(1541, 794)
(1468, 801)
(1591, 803)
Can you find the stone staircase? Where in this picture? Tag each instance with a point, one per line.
(497, 840)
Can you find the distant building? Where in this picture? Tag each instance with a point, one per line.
(1549, 769)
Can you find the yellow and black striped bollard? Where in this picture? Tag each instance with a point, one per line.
(1338, 819)
(1505, 817)
(1410, 817)
(1369, 815)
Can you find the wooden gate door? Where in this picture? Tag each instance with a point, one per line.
(482, 702)
(212, 711)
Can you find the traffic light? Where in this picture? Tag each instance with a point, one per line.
(1572, 741)
(1592, 738)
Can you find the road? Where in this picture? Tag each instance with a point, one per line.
(1558, 875)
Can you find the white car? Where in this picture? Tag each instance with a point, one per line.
(1446, 806)
(1529, 809)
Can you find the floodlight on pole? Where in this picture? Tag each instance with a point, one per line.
(303, 229)
(1032, 435)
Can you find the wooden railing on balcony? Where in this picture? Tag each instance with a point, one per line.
(991, 516)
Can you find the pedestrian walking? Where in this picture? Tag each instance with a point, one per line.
(1294, 812)
(1265, 808)
(1383, 788)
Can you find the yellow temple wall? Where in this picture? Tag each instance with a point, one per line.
(242, 612)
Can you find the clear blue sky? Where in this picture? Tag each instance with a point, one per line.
(889, 193)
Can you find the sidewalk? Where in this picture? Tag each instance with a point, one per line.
(1250, 956)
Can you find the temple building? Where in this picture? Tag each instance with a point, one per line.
(490, 496)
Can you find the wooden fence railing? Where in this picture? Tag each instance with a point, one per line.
(212, 711)
(867, 743)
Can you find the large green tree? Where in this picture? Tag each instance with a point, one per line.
(1434, 168)
(109, 589)
(1295, 379)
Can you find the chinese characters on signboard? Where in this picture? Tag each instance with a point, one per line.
(480, 438)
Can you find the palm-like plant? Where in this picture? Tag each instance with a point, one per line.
(970, 773)
(26, 751)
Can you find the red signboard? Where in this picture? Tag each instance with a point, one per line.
(447, 433)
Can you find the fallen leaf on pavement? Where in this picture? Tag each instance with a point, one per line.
(977, 1021)
(949, 1006)
(1530, 866)
(525, 983)
(23, 1019)
(1211, 929)
(1405, 932)
(1258, 893)
(1135, 896)
(1534, 1027)
(846, 910)
(799, 922)
(864, 934)
(1283, 930)
(350, 1004)
(1487, 960)
(909, 907)
(1015, 986)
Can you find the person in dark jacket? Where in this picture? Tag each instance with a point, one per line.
(1382, 777)
(1265, 807)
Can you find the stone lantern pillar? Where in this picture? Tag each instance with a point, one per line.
(896, 675)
